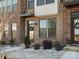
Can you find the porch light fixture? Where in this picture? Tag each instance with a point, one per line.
(36, 23)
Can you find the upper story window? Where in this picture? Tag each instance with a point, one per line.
(49, 1)
(42, 2)
(14, 1)
(8, 5)
(30, 4)
(10, 2)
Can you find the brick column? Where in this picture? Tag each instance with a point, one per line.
(59, 30)
(21, 30)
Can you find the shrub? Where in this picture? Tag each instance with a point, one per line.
(37, 46)
(58, 46)
(2, 43)
(12, 42)
(47, 44)
(27, 42)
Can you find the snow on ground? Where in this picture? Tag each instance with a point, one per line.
(35, 54)
(18, 52)
(70, 55)
(8, 48)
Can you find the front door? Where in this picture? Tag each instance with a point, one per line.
(31, 30)
(76, 29)
(75, 19)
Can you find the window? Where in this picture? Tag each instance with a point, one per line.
(40, 2)
(30, 4)
(14, 27)
(7, 5)
(51, 27)
(49, 1)
(48, 28)
(10, 2)
(43, 26)
(14, 7)
(1, 11)
(5, 10)
(14, 1)
(14, 30)
(9, 8)
(6, 30)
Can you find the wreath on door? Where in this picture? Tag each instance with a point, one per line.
(77, 25)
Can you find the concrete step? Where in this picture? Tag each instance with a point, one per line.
(72, 48)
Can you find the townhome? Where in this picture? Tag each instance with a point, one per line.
(42, 20)
(38, 19)
(9, 18)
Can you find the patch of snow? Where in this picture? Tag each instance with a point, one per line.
(8, 48)
(18, 52)
(35, 54)
(70, 55)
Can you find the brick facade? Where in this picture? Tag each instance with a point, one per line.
(62, 27)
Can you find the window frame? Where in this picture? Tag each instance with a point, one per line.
(28, 5)
(47, 28)
(8, 4)
(42, 28)
(50, 2)
(40, 4)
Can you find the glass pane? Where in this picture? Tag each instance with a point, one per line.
(43, 32)
(9, 2)
(14, 27)
(1, 4)
(51, 32)
(51, 23)
(43, 23)
(31, 29)
(6, 30)
(5, 3)
(14, 1)
(43, 28)
(76, 29)
(40, 2)
(9, 8)
(51, 27)
(14, 7)
(14, 30)
(50, 1)
(2, 10)
(5, 10)
(30, 4)
(14, 34)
